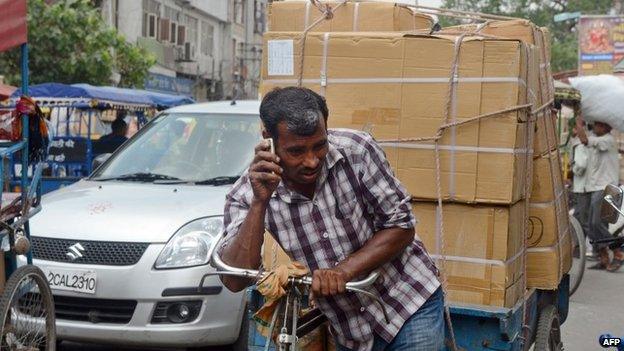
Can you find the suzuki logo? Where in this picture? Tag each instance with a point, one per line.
(75, 251)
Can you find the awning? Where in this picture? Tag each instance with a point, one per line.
(13, 29)
(82, 94)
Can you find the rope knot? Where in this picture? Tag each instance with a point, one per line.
(328, 12)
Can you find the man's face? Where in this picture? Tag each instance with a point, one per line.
(302, 157)
(601, 129)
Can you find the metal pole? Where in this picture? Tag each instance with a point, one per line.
(25, 127)
(25, 132)
(89, 144)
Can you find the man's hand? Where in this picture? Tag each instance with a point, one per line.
(264, 173)
(328, 282)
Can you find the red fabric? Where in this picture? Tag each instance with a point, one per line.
(6, 91)
(13, 29)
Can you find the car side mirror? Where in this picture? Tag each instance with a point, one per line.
(99, 160)
(611, 206)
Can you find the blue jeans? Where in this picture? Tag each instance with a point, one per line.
(423, 331)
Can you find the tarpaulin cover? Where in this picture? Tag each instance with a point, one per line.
(111, 94)
(13, 29)
(129, 96)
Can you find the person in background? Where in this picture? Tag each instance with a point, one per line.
(582, 197)
(118, 136)
(602, 170)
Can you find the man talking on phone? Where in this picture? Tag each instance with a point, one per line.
(331, 200)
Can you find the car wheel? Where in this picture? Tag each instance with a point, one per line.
(241, 343)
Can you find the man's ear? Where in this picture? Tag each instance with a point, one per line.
(265, 133)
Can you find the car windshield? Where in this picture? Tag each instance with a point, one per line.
(186, 148)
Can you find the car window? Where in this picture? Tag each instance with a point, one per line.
(190, 147)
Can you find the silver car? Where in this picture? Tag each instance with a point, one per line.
(124, 250)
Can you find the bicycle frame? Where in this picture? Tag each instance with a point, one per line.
(286, 339)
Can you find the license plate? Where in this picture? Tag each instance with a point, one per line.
(78, 280)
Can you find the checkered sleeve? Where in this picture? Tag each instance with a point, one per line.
(386, 197)
(236, 208)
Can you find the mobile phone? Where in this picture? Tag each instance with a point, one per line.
(271, 145)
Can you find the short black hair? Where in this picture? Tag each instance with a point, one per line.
(298, 107)
(119, 125)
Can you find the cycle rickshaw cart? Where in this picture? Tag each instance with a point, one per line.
(533, 321)
(26, 305)
(77, 112)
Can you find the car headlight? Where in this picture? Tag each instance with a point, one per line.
(191, 244)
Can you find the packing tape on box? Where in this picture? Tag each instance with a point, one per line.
(477, 260)
(306, 20)
(356, 16)
(495, 150)
(548, 204)
(323, 77)
(394, 80)
(557, 246)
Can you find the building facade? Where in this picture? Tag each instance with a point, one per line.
(208, 49)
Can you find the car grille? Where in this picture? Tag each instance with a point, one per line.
(109, 253)
(91, 310)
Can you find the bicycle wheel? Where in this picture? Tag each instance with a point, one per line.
(27, 309)
(548, 336)
(578, 254)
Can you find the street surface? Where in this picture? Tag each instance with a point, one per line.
(597, 308)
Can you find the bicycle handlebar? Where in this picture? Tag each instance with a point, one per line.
(227, 270)
(217, 262)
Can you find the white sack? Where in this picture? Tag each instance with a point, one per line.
(602, 99)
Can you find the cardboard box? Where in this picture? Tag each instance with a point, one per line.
(476, 231)
(547, 178)
(483, 248)
(528, 33)
(474, 292)
(296, 16)
(540, 92)
(546, 138)
(543, 264)
(547, 222)
(397, 85)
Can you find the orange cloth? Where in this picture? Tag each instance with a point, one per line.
(271, 286)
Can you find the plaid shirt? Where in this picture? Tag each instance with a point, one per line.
(356, 195)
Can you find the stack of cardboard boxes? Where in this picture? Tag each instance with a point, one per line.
(403, 85)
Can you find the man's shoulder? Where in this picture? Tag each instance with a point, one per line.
(351, 141)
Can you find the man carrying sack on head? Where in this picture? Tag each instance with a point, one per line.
(331, 200)
(603, 169)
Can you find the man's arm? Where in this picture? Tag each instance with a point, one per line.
(244, 248)
(580, 128)
(393, 222)
(384, 246)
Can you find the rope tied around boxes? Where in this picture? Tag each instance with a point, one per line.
(450, 123)
(327, 14)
